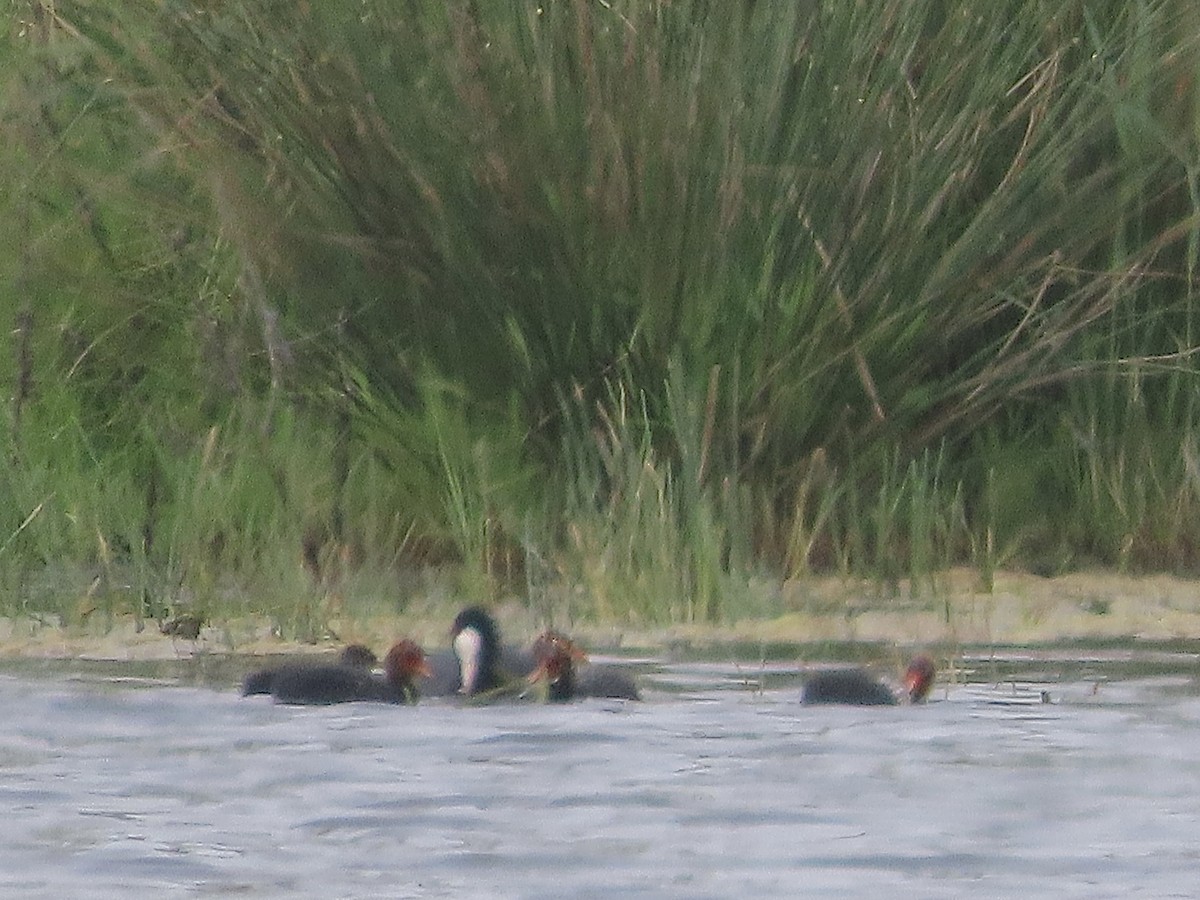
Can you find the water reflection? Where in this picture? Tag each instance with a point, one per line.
(125, 778)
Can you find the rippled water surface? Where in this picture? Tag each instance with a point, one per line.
(118, 782)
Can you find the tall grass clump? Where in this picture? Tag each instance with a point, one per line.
(664, 295)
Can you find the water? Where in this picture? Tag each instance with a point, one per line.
(118, 782)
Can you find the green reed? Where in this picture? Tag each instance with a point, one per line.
(647, 299)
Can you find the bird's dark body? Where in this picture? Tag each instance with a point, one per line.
(847, 686)
(333, 684)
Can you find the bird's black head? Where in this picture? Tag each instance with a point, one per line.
(358, 656)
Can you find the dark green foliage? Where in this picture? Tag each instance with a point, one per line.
(643, 297)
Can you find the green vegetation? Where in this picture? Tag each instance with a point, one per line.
(616, 305)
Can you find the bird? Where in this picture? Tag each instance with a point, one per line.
(582, 679)
(356, 656)
(338, 683)
(476, 642)
(477, 664)
(555, 655)
(858, 687)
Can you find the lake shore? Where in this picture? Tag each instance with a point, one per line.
(955, 612)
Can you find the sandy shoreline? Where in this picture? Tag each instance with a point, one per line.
(1021, 609)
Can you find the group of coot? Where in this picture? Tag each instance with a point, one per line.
(478, 666)
(553, 668)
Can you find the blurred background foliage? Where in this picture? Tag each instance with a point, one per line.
(615, 305)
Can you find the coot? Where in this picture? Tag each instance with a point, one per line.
(473, 664)
(355, 656)
(402, 665)
(582, 678)
(476, 642)
(860, 688)
(555, 656)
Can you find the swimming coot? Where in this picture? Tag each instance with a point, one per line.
(402, 665)
(860, 688)
(355, 656)
(476, 642)
(475, 662)
(555, 656)
(572, 676)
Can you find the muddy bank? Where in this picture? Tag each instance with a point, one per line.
(954, 611)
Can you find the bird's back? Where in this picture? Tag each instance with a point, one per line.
(850, 686)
